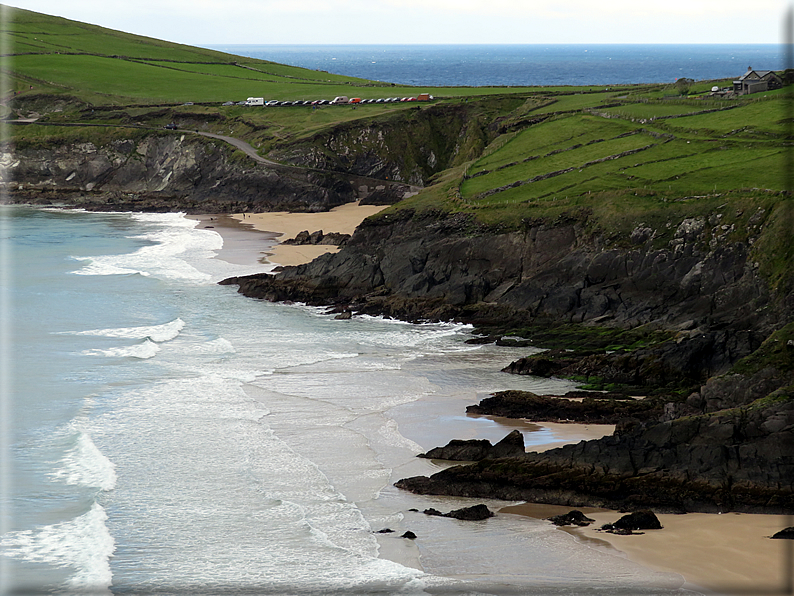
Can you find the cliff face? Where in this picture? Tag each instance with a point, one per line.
(164, 172)
(410, 146)
(432, 266)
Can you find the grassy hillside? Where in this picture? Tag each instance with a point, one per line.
(103, 66)
(622, 154)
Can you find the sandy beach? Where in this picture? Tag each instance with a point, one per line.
(728, 553)
(343, 219)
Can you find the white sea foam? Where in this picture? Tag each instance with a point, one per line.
(215, 346)
(144, 350)
(390, 434)
(85, 465)
(83, 543)
(101, 266)
(156, 333)
(174, 241)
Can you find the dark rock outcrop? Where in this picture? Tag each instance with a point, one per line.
(170, 172)
(478, 449)
(785, 534)
(572, 518)
(639, 520)
(736, 460)
(331, 239)
(435, 266)
(473, 513)
(545, 408)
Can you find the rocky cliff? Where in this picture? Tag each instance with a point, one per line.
(735, 460)
(705, 289)
(153, 171)
(727, 446)
(409, 146)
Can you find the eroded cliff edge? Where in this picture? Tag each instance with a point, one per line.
(143, 170)
(703, 281)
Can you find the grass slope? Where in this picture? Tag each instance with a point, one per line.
(105, 66)
(627, 155)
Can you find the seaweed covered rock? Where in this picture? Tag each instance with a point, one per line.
(595, 408)
(473, 513)
(478, 449)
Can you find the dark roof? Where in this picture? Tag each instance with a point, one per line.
(759, 73)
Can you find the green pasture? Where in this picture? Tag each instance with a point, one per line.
(295, 72)
(569, 158)
(695, 174)
(30, 31)
(552, 135)
(134, 81)
(755, 116)
(575, 101)
(660, 109)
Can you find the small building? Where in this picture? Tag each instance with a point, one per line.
(756, 81)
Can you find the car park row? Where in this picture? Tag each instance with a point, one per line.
(341, 100)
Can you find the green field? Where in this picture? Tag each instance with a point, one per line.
(539, 151)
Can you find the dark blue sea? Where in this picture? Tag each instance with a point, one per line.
(522, 65)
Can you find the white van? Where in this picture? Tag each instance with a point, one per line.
(255, 101)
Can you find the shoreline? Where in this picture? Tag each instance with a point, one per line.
(242, 244)
(343, 219)
(714, 554)
(255, 238)
(729, 553)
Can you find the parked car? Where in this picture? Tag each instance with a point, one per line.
(228, 103)
(272, 102)
(170, 126)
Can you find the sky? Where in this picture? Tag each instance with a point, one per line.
(214, 22)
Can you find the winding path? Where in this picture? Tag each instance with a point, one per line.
(238, 143)
(244, 147)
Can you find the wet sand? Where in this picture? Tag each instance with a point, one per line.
(722, 554)
(242, 244)
(729, 553)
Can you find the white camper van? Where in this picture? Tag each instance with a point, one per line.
(255, 101)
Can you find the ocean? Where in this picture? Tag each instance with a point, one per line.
(166, 435)
(523, 65)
